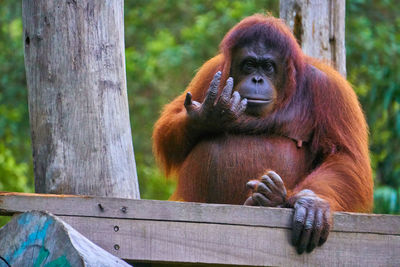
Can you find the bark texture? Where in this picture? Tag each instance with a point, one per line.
(319, 26)
(75, 68)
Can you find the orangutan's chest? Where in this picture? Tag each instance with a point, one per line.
(239, 158)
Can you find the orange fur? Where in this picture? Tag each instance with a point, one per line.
(317, 105)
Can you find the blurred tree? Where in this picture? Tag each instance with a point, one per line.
(373, 45)
(15, 150)
(167, 41)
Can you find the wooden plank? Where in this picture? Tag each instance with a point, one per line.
(40, 239)
(186, 212)
(208, 243)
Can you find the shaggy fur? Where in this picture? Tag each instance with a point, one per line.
(316, 106)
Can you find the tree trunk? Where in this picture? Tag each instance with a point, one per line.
(78, 105)
(319, 26)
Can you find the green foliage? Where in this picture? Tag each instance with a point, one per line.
(167, 41)
(387, 200)
(15, 150)
(373, 44)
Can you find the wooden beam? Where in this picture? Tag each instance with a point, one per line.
(162, 231)
(101, 207)
(212, 243)
(41, 239)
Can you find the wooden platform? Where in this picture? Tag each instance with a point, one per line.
(163, 231)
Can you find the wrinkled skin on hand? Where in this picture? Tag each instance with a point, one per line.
(311, 221)
(312, 218)
(269, 191)
(215, 114)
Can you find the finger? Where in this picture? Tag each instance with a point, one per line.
(250, 202)
(325, 228)
(263, 189)
(306, 235)
(277, 180)
(268, 182)
(299, 218)
(262, 200)
(235, 100)
(252, 184)
(195, 105)
(212, 91)
(316, 233)
(188, 100)
(242, 106)
(227, 91)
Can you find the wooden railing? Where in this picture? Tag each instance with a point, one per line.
(175, 232)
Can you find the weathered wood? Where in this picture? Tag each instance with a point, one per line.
(79, 117)
(162, 231)
(319, 26)
(193, 242)
(101, 207)
(40, 239)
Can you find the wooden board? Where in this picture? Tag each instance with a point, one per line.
(179, 211)
(192, 242)
(162, 231)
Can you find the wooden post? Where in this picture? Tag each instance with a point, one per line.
(75, 68)
(319, 26)
(40, 239)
